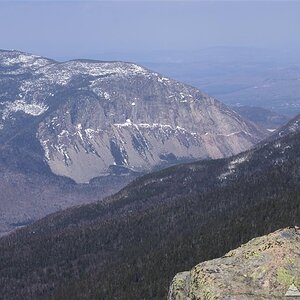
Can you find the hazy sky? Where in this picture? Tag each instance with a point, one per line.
(83, 28)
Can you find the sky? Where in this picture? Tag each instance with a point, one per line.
(89, 28)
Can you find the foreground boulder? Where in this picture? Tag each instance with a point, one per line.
(267, 267)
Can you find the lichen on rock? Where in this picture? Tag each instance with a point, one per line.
(263, 268)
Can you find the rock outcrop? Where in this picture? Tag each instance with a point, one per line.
(267, 267)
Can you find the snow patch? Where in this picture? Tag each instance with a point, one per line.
(62, 73)
(232, 166)
(78, 130)
(129, 123)
(63, 133)
(31, 61)
(33, 108)
(46, 148)
(91, 132)
(277, 145)
(162, 79)
(106, 95)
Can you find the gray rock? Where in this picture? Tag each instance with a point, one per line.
(267, 267)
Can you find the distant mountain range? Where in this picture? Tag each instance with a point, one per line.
(95, 122)
(130, 245)
(238, 76)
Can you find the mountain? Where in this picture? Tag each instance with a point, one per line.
(264, 268)
(65, 124)
(262, 117)
(84, 119)
(130, 245)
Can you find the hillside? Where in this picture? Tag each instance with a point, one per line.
(131, 245)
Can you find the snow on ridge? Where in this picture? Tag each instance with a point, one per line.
(45, 146)
(129, 123)
(293, 126)
(162, 79)
(63, 133)
(157, 126)
(90, 132)
(232, 166)
(33, 108)
(238, 160)
(62, 73)
(26, 60)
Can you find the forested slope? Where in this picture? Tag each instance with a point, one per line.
(131, 245)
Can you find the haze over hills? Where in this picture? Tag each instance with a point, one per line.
(83, 119)
(238, 76)
(132, 244)
(267, 119)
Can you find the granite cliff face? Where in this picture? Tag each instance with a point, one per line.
(95, 118)
(267, 267)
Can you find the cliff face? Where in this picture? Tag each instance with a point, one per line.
(264, 268)
(92, 118)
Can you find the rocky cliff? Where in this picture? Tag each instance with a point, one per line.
(267, 267)
(95, 118)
